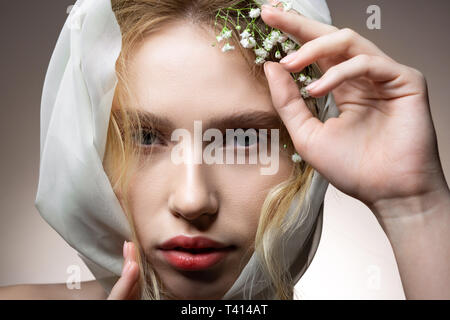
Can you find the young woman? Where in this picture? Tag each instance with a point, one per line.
(197, 228)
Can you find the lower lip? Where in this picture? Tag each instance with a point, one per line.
(194, 261)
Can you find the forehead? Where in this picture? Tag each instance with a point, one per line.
(176, 71)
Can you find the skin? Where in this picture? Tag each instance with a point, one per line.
(368, 151)
(197, 199)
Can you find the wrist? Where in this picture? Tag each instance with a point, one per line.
(413, 212)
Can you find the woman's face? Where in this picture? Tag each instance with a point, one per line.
(179, 77)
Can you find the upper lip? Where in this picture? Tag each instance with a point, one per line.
(191, 243)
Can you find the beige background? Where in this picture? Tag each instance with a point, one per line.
(354, 259)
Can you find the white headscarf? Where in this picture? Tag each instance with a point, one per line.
(74, 194)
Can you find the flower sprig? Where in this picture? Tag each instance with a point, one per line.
(262, 42)
(266, 43)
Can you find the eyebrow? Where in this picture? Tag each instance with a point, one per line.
(246, 119)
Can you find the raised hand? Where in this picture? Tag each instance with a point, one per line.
(382, 149)
(383, 144)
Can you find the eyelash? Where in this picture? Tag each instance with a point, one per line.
(152, 133)
(145, 134)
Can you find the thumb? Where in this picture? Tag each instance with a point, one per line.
(288, 102)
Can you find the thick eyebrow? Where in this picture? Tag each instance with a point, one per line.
(247, 119)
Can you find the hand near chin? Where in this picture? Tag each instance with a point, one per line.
(382, 149)
(126, 288)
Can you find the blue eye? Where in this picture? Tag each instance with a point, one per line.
(244, 138)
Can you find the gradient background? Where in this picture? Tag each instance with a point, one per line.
(354, 259)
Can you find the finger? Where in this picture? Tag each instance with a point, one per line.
(125, 249)
(296, 25)
(288, 102)
(375, 68)
(125, 287)
(343, 43)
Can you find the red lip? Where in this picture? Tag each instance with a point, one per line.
(192, 254)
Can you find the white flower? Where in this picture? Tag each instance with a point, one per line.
(267, 44)
(296, 157)
(278, 55)
(283, 37)
(287, 5)
(304, 93)
(302, 78)
(274, 36)
(261, 53)
(259, 60)
(226, 33)
(288, 45)
(254, 13)
(227, 47)
(219, 38)
(248, 42)
(246, 34)
(308, 81)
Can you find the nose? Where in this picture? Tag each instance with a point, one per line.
(191, 196)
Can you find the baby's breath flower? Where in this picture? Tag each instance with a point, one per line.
(267, 44)
(227, 47)
(274, 36)
(302, 78)
(308, 81)
(255, 13)
(296, 157)
(287, 5)
(261, 53)
(248, 43)
(288, 45)
(226, 33)
(259, 60)
(304, 93)
(262, 47)
(278, 54)
(282, 38)
(246, 34)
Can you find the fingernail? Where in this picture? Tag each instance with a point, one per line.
(266, 69)
(129, 248)
(266, 7)
(126, 268)
(125, 249)
(288, 58)
(312, 85)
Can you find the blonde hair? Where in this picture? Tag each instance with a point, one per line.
(137, 20)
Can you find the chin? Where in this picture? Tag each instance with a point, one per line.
(189, 289)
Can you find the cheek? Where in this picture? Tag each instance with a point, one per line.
(243, 191)
(147, 191)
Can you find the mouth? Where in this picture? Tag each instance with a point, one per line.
(193, 254)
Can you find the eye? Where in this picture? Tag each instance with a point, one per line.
(149, 137)
(244, 138)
